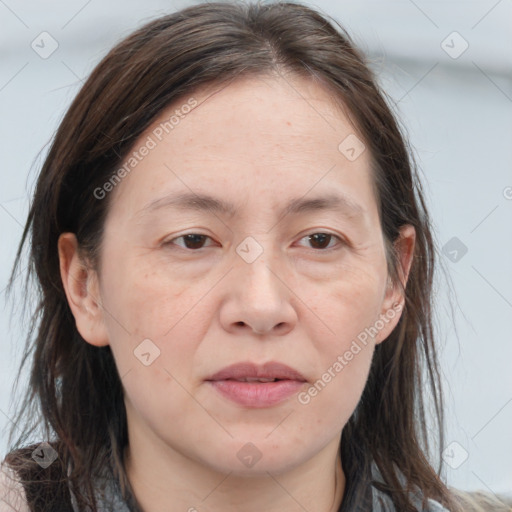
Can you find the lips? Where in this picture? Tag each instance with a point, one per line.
(248, 371)
(256, 386)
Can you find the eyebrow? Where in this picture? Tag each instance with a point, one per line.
(339, 203)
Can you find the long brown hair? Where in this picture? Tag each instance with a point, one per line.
(72, 382)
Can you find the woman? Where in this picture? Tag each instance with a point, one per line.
(235, 266)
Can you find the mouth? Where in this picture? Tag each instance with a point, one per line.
(254, 379)
(248, 371)
(250, 385)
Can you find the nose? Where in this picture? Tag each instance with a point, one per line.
(258, 301)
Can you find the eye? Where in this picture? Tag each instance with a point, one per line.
(194, 241)
(321, 240)
(190, 241)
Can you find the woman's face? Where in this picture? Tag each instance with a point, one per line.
(286, 265)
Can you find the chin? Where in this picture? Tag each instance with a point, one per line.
(257, 458)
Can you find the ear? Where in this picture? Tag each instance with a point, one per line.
(394, 300)
(82, 291)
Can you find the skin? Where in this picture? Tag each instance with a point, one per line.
(256, 143)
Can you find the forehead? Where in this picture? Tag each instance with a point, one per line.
(255, 137)
(293, 114)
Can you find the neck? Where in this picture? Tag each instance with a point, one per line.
(159, 476)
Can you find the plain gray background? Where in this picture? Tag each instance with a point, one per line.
(447, 64)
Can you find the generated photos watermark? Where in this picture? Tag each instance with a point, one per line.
(342, 361)
(151, 142)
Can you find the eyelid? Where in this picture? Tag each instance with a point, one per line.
(341, 240)
(171, 241)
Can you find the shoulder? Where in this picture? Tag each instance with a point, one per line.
(382, 502)
(482, 501)
(32, 478)
(12, 493)
(435, 506)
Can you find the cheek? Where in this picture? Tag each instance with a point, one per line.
(344, 307)
(149, 300)
(327, 404)
(159, 325)
(142, 304)
(157, 394)
(344, 312)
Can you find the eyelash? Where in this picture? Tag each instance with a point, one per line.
(340, 241)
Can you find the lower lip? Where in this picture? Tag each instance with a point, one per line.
(262, 394)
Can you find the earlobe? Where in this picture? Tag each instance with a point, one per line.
(394, 300)
(80, 283)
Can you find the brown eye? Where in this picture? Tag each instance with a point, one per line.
(321, 240)
(190, 241)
